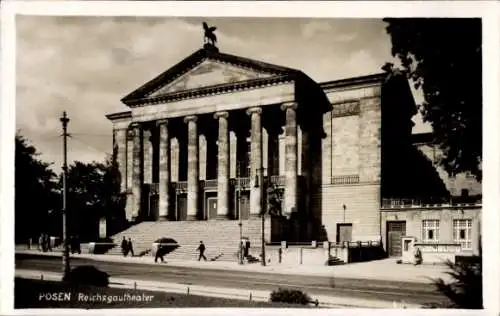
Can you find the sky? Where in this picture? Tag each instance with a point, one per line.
(85, 65)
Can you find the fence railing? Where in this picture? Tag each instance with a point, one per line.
(347, 179)
(395, 203)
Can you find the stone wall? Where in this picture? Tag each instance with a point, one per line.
(362, 210)
(351, 163)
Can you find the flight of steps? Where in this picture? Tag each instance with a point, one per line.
(221, 238)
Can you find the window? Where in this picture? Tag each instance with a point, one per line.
(462, 231)
(430, 231)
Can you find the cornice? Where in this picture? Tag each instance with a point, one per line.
(119, 115)
(354, 82)
(212, 90)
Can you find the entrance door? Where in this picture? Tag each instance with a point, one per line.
(182, 208)
(153, 207)
(244, 205)
(395, 231)
(212, 207)
(344, 232)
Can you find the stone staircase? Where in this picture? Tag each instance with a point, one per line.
(221, 238)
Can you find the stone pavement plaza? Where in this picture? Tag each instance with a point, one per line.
(386, 269)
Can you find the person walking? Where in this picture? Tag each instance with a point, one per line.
(40, 242)
(130, 247)
(201, 249)
(124, 246)
(159, 254)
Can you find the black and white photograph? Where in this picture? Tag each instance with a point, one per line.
(248, 162)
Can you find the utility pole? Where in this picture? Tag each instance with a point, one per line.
(65, 259)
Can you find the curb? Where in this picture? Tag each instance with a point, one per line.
(289, 270)
(232, 293)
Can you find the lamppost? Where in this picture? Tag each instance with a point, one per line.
(238, 189)
(260, 174)
(65, 258)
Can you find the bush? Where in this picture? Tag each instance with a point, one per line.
(290, 296)
(466, 289)
(87, 275)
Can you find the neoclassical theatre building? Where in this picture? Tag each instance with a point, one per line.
(206, 139)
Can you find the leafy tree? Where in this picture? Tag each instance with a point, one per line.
(442, 57)
(274, 200)
(465, 290)
(94, 193)
(85, 198)
(36, 195)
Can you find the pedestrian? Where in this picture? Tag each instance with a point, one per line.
(40, 242)
(124, 246)
(77, 244)
(201, 249)
(130, 247)
(159, 253)
(418, 256)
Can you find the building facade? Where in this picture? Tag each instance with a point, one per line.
(209, 138)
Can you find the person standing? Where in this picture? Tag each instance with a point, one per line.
(130, 247)
(124, 246)
(201, 249)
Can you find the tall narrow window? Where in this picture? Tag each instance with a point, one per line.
(430, 231)
(462, 231)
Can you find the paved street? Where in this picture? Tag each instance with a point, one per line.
(414, 293)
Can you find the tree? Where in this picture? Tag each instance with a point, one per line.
(466, 289)
(94, 193)
(442, 57)
(36, 194)
(85, 198)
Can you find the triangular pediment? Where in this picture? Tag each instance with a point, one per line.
(210, 73)
(205, 70)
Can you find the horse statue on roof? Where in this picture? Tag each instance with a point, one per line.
(209, 34)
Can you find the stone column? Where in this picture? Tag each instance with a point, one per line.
(137, 170)
(291, 201)
(192, 178)
(256, 160)
(164, 171)
(223, 166)
(120, 150)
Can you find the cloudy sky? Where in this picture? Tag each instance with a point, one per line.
(85, 65)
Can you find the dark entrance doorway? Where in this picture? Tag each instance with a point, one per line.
(182, 207)
(244, 204)
(211, 205)
(344, 232)
(395, 231)
(153, 207)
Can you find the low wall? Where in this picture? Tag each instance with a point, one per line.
(320, 254)
(438, 253)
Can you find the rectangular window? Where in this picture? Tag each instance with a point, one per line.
(462, 233)
(430, 231)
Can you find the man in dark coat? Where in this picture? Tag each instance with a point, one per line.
(124, 246)
(201, 249)
(130, 247)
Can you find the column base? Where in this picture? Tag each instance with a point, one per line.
(254, 216)
(163, 218)
(192, 218)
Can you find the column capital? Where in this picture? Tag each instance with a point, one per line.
(289, 105)
(190, 118)
(162, 122)
(134, 125)
(223, 114)
(253, 110)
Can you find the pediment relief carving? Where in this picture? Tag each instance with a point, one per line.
(210, 73)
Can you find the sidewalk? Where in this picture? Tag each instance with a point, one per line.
(386, 269)
(232, 293)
